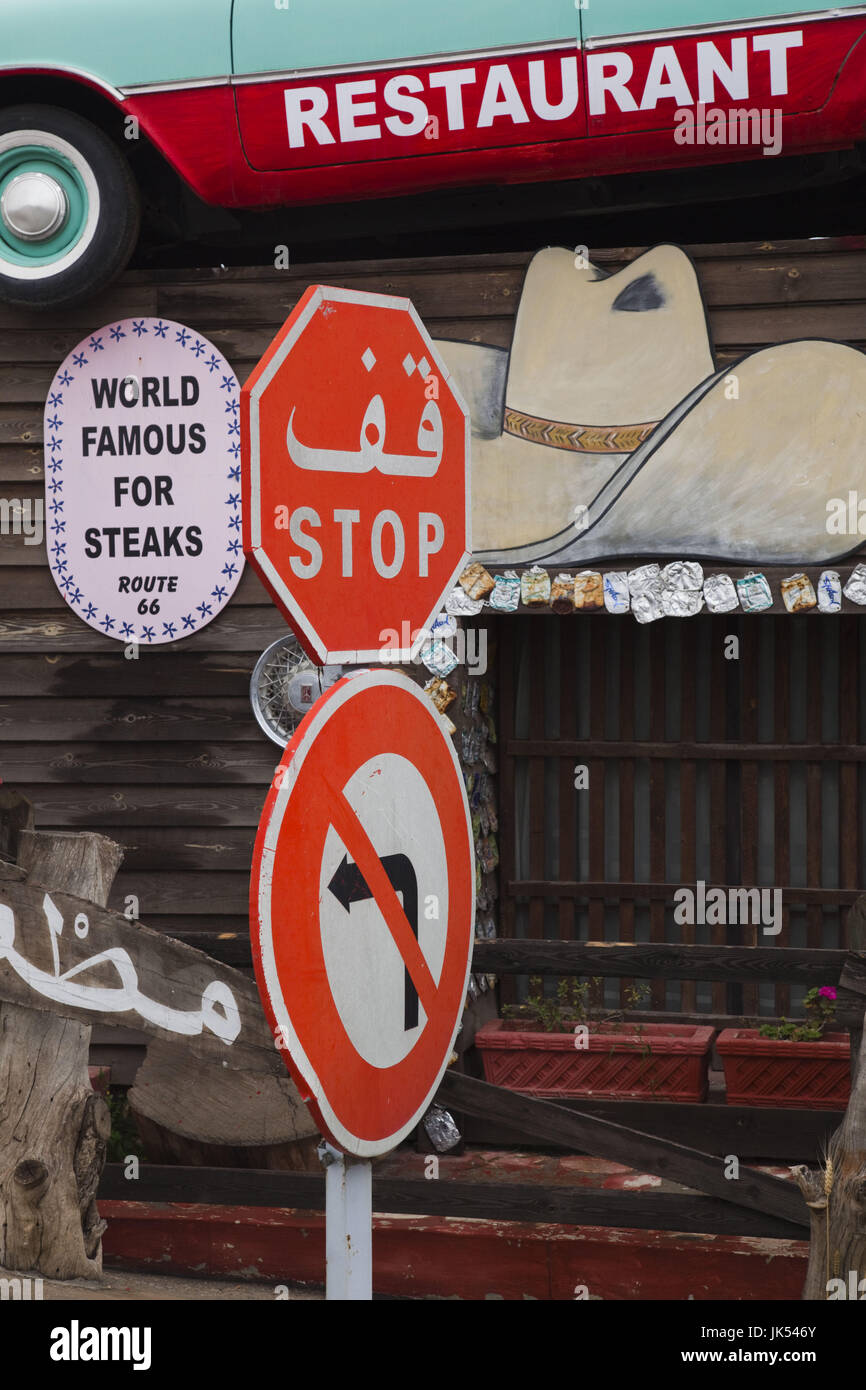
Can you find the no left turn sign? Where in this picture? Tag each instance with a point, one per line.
(362, 905)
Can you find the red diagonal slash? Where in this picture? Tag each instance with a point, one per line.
(360, 847)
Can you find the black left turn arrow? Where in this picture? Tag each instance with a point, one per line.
(349, 886)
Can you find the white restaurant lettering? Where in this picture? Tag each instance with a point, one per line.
(360, 105)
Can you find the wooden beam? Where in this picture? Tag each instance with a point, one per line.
(613, 890)
(492, 1201)
(604, 1139)
(754, 1133)
(703, 752)
(608, 959)
(657, 962)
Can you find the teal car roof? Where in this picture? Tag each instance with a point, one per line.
(162, 41)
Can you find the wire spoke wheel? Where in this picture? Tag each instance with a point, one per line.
(285, 685)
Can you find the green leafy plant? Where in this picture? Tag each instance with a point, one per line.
(819, 1005)
(570, 1005)
(125, 1138)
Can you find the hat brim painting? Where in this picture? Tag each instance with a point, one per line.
(608, 429)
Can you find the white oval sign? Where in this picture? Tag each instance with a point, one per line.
(142, 481)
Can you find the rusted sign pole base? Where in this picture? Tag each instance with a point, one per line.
(54, 1128)
(348, 1226)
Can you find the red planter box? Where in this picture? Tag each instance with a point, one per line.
(774, 1071)
(663, 1061)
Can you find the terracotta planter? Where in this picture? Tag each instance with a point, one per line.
(661, 1061)
(774, 1071)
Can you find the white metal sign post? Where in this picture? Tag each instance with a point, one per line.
(348, 1225)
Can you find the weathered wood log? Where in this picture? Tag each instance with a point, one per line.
(212, 1074)
(112, 971)
(166, 1146)
(836, 1195)
(197, 1100)
(54, 1128)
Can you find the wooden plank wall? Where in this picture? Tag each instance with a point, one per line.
(162, 753)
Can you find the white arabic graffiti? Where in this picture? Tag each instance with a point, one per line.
(219, 1011)
(371, 451)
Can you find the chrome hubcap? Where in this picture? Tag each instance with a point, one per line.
(34, 206)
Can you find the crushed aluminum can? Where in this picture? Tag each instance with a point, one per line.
(830, 592)
(460, 605)
(720, 594)
(645, 587)
(646, 577)
(616, 595)
(682, 603)
(481, 981)
(489, 854)
(471, 697)
(562, 592)
(438, 1124)
(798, 593)
(754, 592)
(855, 589)
(648, 605)
(685, 575)
(485, 929)
(534, 586)
(682, 589)
(444, 626)
(506, 592)
(438, 658)
(588, 591)
(473, 789)
(472, 988)
(441, 693)
(476, 581)
(470, 743)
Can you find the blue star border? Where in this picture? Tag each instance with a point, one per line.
(75, 363)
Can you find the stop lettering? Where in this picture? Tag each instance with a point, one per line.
(355, 449)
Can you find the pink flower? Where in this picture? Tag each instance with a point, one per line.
(827, 992)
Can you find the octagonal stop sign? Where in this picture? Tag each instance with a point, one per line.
(355, 449)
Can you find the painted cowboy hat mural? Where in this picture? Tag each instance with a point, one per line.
(608, 429)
